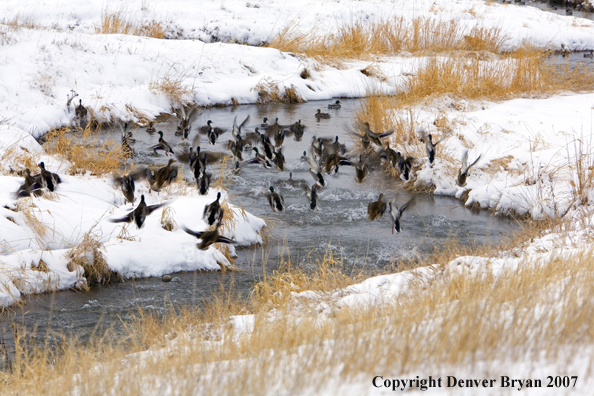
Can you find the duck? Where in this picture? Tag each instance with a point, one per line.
(236, 149)
(319, 115)
(236, 131)
(279, 159)
(236, 169)
(430, 147)
(139, 214)
(404, 167)
(264, 123)
(334, 161)
(267, 146)
(396, 214)
(203, 183)
(275, 200)
(213, 212)
(297, 129)
(164, 176)
(162, 145)
(30, 186)
(463, 171)
(568, 12)
(336, 105)
(376, 209)
(360, 170)
(279, 137)
(312, 196)
(151, 128)
(47, 179)
(259, 159)
(208, 237)
(212, 133)
(589, 55)
(317, 145)
(564, 51)
(80, 111)
(186, 115)
(335, 147)
(274, 128)
(376, 137)
(392, 156)
(296, 183)
(365, 142)
(127, 151)
(127, 185)
(314, 169)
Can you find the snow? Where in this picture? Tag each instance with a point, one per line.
(529, 147)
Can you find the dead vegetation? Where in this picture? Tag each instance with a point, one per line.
(419, 36)
(269, 92)
(173, 87)
(85, 152)
(122, 22)
(88, 255)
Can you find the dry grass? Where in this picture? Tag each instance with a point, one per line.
(269, 92)
(18, 158)
(494, 322)
(88, 255)
(120, 22)
(84, 151)
(390, 37)
(173, 87)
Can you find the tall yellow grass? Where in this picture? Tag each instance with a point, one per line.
(419, 35)
(121, 22)
(84, 151)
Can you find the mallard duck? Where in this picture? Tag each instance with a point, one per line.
(267, 146)
(30, 186)
(568, 12)
(80, 111)
(319, 115)
(360, 170)
(213, 211)
(463, 171)
(274, 128)
(162, 145)
(238, 145)
(259, 159)
(264, 123)
(204, 183)
(396, 214)
(376, 209)
(335, 105)
(275, 200)
(151, 128)
(237, 169)
(393, 157)
(47, 179)
(376, 137)
(314, 171)
(139, 214)
(589, 55)
(334, 161)
(279, 159)
(430, 147)
(208, 237)
(186, 115)
(164, 176)
(312, 196)
(127, 151)
(296, 183)
(279, 137)
(365, 142)
(335, 147)
(297, 129)
(404, 167)
(236, 149)
(127, 185)
(564, 51)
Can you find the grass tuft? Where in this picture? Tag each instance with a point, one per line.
(119, 22)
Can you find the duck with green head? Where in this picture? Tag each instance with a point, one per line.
(336, 105)
(162, 145)
(275, 200)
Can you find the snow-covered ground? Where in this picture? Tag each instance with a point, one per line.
(529, 147)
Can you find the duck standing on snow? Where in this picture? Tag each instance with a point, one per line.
(463, 171)
(47, 179)
(30, 186)
(213, 212)
(162, 145)
(208, 237)
(275, 200)
(376, 209)
(139, 214)
(336, 105)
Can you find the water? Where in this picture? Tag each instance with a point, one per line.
(339, 224)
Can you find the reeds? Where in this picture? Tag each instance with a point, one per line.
(85, 152)
(121, 22)
(421, 35)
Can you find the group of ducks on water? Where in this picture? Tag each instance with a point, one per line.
(325, 156)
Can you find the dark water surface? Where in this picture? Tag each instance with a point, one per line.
(339, 224)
